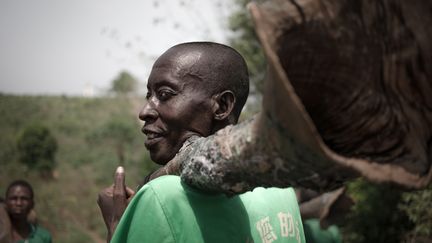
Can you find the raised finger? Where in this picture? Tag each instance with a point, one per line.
(119, 183)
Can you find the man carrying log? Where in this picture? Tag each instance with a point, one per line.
(346, 95)
(194, 90)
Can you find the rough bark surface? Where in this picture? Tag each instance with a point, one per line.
(348, 92)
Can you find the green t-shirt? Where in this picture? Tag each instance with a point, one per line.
(37, 235)
(167, 210)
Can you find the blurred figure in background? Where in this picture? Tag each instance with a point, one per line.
(19, 204)
(5, 225)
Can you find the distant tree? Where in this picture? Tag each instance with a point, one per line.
(124, 84)
(37, 148)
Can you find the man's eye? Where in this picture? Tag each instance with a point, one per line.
(165, 94)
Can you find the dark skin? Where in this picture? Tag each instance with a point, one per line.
(113, 201)
(19, 203)
(174, 99)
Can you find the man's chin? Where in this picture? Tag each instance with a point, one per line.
(161, 153)
(161, 157)
(19, 215)
(158, 159)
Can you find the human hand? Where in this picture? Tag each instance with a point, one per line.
(113, 201)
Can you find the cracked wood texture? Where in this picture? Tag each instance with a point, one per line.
(348, 93)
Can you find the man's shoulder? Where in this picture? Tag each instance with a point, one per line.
(166, 182)
(171, 185)
(42, 234)
(165, 186)
(42, 230)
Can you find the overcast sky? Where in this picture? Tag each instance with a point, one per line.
(64, 47)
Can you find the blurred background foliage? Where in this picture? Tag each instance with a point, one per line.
(124, 84)
(95, 135)
(37, 148)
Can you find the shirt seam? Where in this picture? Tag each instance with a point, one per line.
(165, 214)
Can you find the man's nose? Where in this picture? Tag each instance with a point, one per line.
(18, 201)
(148, 112)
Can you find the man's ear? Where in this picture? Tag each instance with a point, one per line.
(224, 104)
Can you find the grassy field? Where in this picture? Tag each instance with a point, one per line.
(86, 159)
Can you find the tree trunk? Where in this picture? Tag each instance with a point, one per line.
(348, 93)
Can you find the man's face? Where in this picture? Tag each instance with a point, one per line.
(19, 202)
(178, 105)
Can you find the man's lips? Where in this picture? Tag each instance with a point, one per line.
(153, 136)
(16, 210)
(151, 142)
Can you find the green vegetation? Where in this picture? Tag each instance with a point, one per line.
(416, 205)
(36, 148)
(119, 133)
(86, 131)
(376, 216)
(124, 84)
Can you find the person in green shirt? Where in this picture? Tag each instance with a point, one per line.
(167, 210)
(194, 90)
(19, 203)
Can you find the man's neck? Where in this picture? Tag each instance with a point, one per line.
(21, 229)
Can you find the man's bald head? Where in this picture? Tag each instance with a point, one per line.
(219, 66)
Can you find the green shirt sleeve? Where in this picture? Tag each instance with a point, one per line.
(144, 220)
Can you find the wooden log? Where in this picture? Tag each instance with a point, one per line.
(348, 93)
